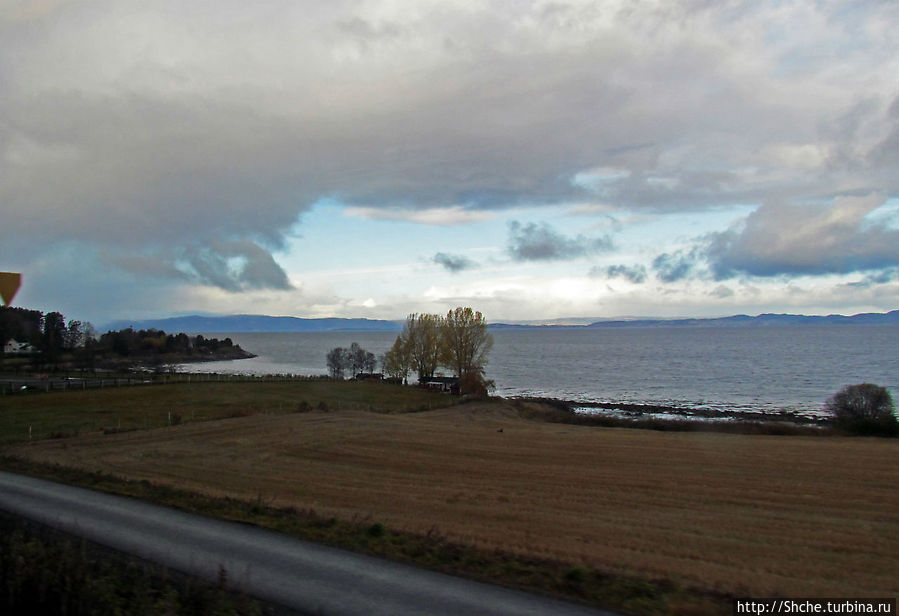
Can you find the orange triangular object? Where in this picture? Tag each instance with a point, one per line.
(9, 284)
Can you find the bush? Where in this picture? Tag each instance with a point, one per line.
(475, 385)
(864, 409)
(576, 575)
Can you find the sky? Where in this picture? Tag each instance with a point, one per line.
(375, 158)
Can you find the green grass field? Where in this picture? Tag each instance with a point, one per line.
(37, 416)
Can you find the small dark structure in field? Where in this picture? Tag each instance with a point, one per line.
(446, 384)
(370, 376)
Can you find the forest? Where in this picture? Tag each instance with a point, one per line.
(52, 341)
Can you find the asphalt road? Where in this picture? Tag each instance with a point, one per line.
(303, 576)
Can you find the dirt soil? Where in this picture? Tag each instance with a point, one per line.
(746, 514)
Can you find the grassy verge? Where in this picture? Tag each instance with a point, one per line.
(431, 550)
(45, 572)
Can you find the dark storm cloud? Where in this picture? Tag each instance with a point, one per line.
(454, 263)
(533, 242)
(236, 266)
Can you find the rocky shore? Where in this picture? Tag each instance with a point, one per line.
(631, 411)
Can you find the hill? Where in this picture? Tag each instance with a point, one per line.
(740, 320)
(762, 320)
(257, 323)
(263, 323)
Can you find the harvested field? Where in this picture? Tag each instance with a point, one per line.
(753, 515)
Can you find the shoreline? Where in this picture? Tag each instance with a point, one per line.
(644, 410)
(641, 411)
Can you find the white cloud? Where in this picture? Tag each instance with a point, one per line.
(807, 239)
(799, 156)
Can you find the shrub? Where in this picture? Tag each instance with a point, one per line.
(864, 409)
(576, 575)
(475, 385)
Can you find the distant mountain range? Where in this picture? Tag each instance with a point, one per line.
(262, 323)
(257, 323)
(740, 320)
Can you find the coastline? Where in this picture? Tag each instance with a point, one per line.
(171, 361)
(642, 411)
(739, 370)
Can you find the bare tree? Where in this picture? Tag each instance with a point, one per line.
(338, 362)
(369, 362)
(356, 356)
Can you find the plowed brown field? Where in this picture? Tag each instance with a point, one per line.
(754, 515)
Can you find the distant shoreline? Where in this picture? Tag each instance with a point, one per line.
(149, 362)
(246, 323)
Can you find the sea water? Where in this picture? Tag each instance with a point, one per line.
(724, 368)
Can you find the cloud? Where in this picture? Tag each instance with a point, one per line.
(881, 277)
(632, 273)
(454, 263)
(166, 132)
(236, 266)
(441, 216)
(27, 10)
(228, 124)
(674, 267)
(533, 242)
(722, 292)
(816, 239)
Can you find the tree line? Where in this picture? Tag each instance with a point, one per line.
(155, 342)
(458, 342)
(50, 334)
(355, 359)
(52, 337)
